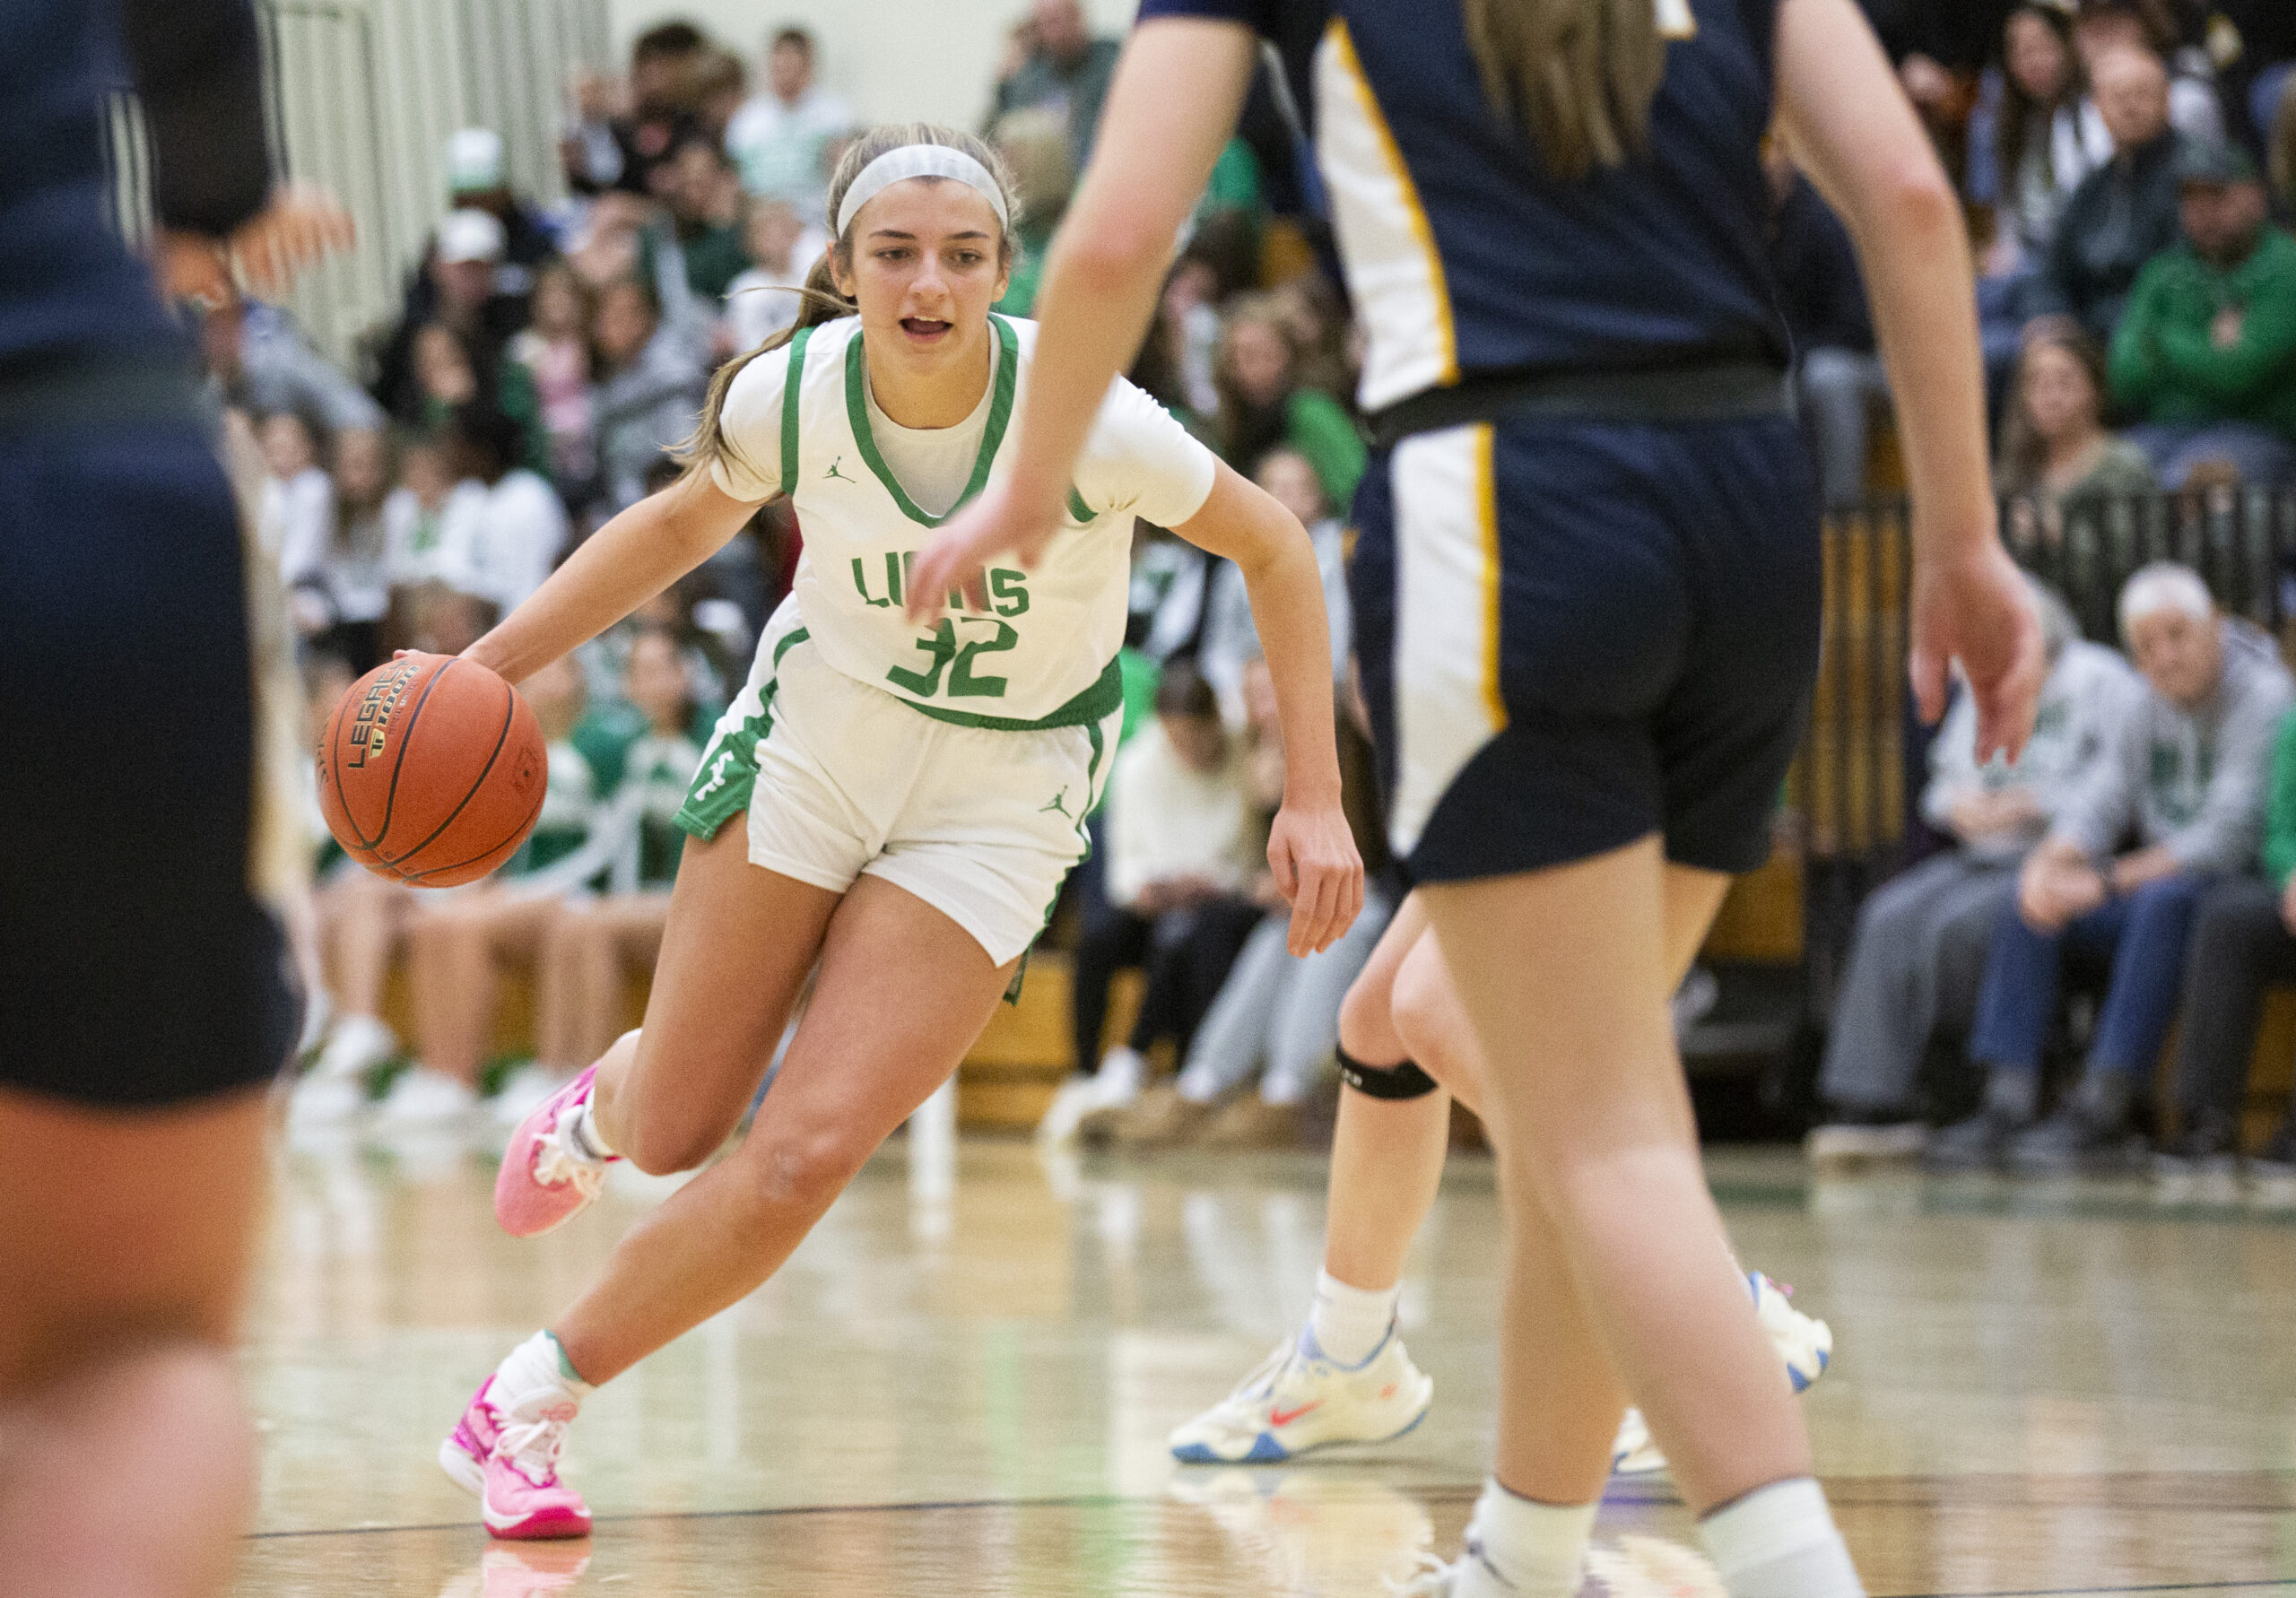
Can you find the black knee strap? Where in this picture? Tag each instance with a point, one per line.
(1400, 1081)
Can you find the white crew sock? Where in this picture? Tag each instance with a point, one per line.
(1779, 1542)
(1538, 1550)
(1122, 1072)
(586, 1136)
(535, 1373)
(1347, 1324)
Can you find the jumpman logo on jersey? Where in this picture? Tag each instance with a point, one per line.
(833, 470)
(1059, 804)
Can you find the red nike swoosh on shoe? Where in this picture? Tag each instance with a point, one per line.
(1276, 1418)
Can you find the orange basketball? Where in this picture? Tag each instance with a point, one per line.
(432, 771)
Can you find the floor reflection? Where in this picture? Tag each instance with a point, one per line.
(963, 1386)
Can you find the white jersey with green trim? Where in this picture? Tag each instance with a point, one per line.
(1043, 651)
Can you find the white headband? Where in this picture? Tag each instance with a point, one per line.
(919, 161)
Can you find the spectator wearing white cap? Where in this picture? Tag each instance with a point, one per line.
(478, 179)
(456, 290)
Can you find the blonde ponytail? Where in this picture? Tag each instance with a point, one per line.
(1577, 76)
(822, 301)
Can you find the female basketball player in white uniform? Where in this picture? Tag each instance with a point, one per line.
(896, 806)
(1588, 600)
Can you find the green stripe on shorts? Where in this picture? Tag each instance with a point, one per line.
(723, 784)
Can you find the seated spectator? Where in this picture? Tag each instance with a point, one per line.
(1034, 143)
(554, 350)
(2104, 26)
(2124, 212)
(1191, 304)
(2045, 136)
(2243, 938)
(784, 141)
(591, 946)
(414, 516)
(721, 88)
(342, 588)
(1066, 72)
(2185, 780)
(1230, 642)
(2262, 50)
(503, 529)
(704, 199)
(460, 280)
(1918, 953)
(762, 299)
(1275, 1018)
(451, 373)
(1838, 373)
(2205, 353)
(2055, 449)
(665, 63)
(2282, 145)
(1263, 404)
(478, 178)
(258, 363)
(294, 516)
(645, 393)
(460, 941)
(1183, 844)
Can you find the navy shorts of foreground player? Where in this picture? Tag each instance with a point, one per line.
(137, 967)
(1575, 634)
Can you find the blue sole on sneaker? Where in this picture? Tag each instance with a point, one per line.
(1267, 1450)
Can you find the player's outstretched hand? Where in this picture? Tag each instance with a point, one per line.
(300, 225)
(953, 559)
(1318, 870)
(1974, 608)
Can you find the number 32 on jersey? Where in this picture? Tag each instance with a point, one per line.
(947, 652)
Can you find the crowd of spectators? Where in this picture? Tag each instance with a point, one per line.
(2127, 166)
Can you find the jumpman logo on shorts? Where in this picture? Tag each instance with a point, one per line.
(1059, 804)
(833, 470)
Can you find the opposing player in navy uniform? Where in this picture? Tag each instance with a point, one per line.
(143, 1001)
(1588, 588)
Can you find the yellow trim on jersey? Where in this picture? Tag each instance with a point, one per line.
(1486, 512)
(1343, 54)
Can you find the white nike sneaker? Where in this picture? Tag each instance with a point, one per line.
(1803, 1340)
(320, 1102)
(1069, 1107)
(425, 1099)
(357, 1045)
(1470, 1576)
(1295, 1401)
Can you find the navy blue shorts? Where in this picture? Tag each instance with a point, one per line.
(1575, 634)
(137, 967)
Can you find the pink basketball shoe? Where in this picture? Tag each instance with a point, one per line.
(512, 1465)
(546, 1179)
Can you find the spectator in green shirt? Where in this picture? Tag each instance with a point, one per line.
(1263, 404)
(1034, 143)
(2241, 941)
(1066, 71)
(2205, 353)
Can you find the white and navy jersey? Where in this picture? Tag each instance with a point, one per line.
(1465, 256)
(1043, 653)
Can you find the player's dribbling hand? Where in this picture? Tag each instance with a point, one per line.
(1974, 608)
(1317, 872)
(954, 558)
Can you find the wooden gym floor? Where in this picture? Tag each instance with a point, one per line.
(2059, 1389)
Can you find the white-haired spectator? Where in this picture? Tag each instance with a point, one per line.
(2185, 781)
(1919, 954)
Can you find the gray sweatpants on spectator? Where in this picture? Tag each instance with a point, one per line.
(1916, 965)
(1279, 1009)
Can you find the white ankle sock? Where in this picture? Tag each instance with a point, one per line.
(587, 1138)
(1779, 1542)
(1348, 1324)
(1538, 1550)
(537, 1368)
